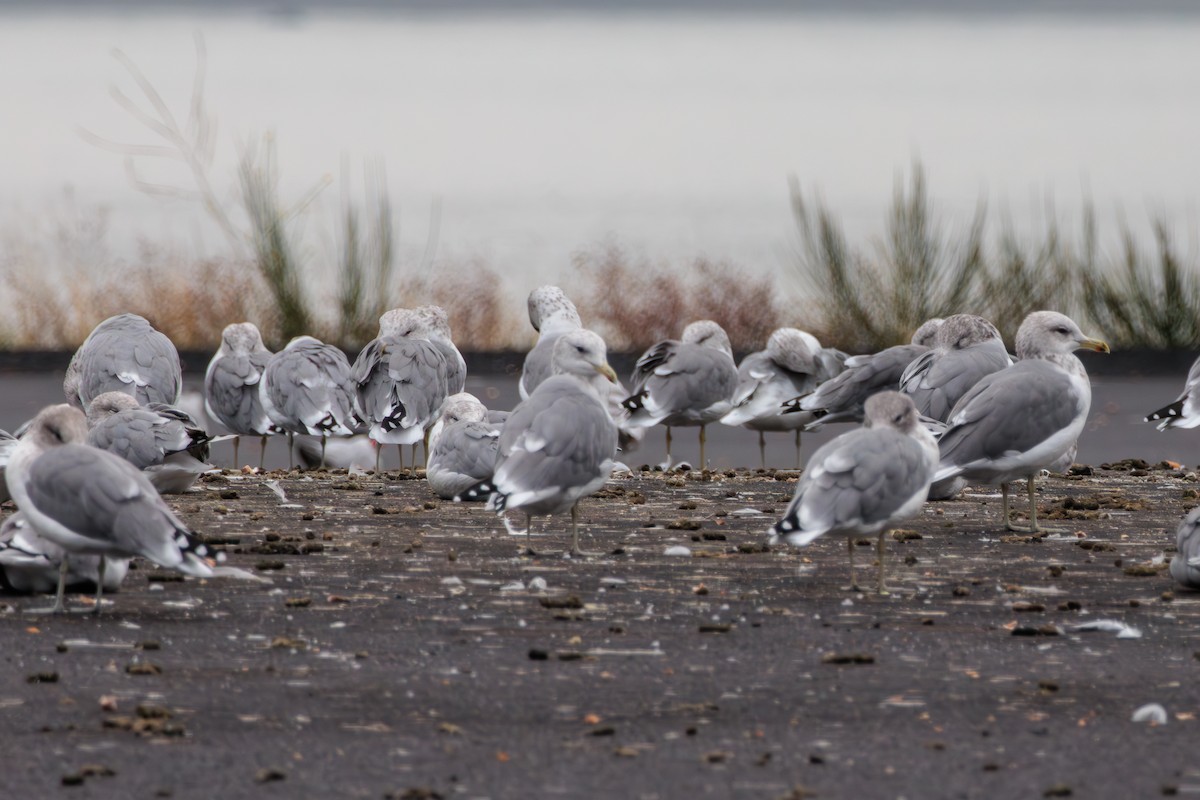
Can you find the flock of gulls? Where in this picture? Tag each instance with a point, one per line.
(951, 407)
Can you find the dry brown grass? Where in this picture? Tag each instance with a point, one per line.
(634, 302)
(189, 304)
(482, 316)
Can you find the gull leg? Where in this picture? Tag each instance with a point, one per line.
(798, 465)
(882, 588)
(668, 446)
(236, 441)
(1033, 526)
(703, 438)
(575, 551)
(291, 454)
(414, 458)
(100, 581)
(378, 452)
(762, 449)
(400, 453)
(1008, 526)
(853, 587)
(262, 453)
(322, 451)
(425, 449)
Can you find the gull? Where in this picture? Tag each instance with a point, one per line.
(552, 314)
(1016, 422)
(865, 481)
(306, 389)
(162, 441)
(463, 446)
(789, 366)
(841, 398)
(559, 445)
(231, 386)
(1185, 411)
(400, 381)
(967, 348)
(91, 502)
(689, 382)
(124, 354)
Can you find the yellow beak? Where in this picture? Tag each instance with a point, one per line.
(607, 371)
(1094, 344)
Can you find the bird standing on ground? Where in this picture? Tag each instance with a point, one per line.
(231, 386)
(400, 381)
(689, 382)
(1016, 422)
(124, 354)
(91, 502)
(306, 389)
(558, 446)
(789, 366)
(865, 481)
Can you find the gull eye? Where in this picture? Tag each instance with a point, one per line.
(580, 349)
(1062, 329)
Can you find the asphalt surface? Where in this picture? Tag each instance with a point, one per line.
(406, 648)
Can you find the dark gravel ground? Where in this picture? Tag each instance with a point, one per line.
(405, 650)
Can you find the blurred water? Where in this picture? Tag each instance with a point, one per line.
(543, 134)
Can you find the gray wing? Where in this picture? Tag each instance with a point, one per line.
(231, 393)
(1010, 412)
(1185, 564)
(128, 355)
(308, 387)
(559, 438)
(842, 397)
(649, 361)
(694, 378)
(937, 380)
(399, 383)
(142, 437)
(859, 479)
(455, 367)
(464, 454)
(105, 499)
(537, 363)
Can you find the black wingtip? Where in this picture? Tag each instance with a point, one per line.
(1166, 412)
(480, 491)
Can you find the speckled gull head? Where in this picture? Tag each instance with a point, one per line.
(242, 338)
(963, 330)
(707, 333)
(398, 322)
(56, 425)
(433, 321)
(926, 335)
(551, 303)
(789, 348)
